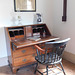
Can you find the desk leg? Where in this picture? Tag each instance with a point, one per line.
(14, 70)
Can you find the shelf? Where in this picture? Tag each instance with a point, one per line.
(15, 29)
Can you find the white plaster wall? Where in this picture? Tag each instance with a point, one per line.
(65, 29)
(7, 15)
(3, 50)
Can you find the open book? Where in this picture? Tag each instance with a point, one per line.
(34, 38)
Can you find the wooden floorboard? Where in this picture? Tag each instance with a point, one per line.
(68, 67)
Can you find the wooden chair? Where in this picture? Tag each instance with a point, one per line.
(51, 55)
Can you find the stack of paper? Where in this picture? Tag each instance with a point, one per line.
(34, 38)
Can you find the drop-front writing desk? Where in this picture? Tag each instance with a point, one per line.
(21, 51)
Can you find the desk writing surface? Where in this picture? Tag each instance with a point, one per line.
(25, 42)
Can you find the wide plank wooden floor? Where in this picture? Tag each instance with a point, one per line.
(68, 66)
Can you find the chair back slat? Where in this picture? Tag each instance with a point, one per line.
(37, 53)
(49, 57)
(45, 56)
(41, 58)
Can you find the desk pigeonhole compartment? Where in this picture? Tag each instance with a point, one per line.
(16, 32)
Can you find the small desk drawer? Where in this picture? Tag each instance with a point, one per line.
(24, 60)
(23, 51)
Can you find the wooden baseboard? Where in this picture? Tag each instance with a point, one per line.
(69, 56)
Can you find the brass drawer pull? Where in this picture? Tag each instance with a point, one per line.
(23, 51)
(24, 60)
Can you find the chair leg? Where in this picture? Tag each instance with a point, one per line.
(36, 68)
(52, 66)
(62, 68)
(47, 69)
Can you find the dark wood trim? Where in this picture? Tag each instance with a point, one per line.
(64, 17)
(24, 10)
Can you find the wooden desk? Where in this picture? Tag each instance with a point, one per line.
(25, 42)
(21, 51)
